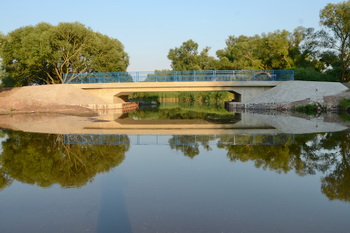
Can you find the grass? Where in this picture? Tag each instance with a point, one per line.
(309, 109)
(344, 104)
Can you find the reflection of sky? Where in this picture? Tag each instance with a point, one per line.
(2, 140)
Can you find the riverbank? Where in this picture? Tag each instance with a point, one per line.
(288, 95)
(62, 99)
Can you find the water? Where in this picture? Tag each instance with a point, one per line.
(263, 178)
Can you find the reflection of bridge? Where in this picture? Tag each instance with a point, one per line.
(179, 140)
(116, 87)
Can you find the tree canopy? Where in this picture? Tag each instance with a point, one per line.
(336, 18)
(187, 57)
(43, 53)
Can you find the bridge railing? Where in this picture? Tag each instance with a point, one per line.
(181, 76)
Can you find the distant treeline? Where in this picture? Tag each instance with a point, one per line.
(202, 97)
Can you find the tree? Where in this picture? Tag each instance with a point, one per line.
(186, 57)
(240, 53)
(336, 18)
(260, 52)
(44, 53)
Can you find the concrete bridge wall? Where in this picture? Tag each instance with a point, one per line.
(118, 92)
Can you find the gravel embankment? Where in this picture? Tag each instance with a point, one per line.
(293, 91)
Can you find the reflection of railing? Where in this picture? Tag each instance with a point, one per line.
(180, 76)
(236, 139)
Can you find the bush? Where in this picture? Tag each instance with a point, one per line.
(344, 104)
(310, 74)
(309, 109)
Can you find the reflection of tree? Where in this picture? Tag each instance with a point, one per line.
(336, 185)
(212, 113)
(45, 160)
(281, 158)
(189, 144)
(327, 153)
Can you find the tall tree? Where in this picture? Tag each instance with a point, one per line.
(266, 52)
(336, 18)
(45, 53)
(187, 57)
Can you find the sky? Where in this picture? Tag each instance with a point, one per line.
(149, 28)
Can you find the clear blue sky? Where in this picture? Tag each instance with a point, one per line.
(148, 29)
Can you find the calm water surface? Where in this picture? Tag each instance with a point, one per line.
(175, 183)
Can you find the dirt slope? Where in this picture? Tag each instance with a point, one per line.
(46, 98)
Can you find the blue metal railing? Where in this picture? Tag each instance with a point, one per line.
(181, 76)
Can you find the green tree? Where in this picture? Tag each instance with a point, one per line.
(44, 53)
(260, 52)
(240, 53)
(336, 18)
(187, 57)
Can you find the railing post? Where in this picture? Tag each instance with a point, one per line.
(194, 76)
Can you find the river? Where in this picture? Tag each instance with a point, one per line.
(175, 168)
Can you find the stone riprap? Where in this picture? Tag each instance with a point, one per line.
(294, 93)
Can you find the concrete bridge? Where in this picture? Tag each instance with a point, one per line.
(115, 88)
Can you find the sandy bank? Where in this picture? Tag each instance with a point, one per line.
(61, 98)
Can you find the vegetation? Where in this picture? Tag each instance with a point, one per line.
(42, 54)
(201, 97)
(309, 109)
(336, 18)
(344, 104)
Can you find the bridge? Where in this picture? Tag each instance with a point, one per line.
(115, 87)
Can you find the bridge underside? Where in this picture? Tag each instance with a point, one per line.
(113, 93)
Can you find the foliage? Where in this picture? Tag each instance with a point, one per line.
(309, 109)
(199, 97)
(44, 53)
(336, 18)
(344, 104)
(277, 50)
(311, 74)
(186, 57)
